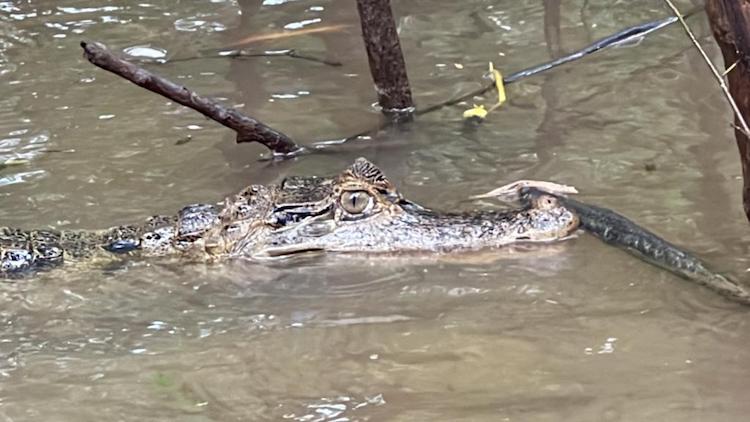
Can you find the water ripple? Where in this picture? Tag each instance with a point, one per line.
(196, 23)
(341, 408)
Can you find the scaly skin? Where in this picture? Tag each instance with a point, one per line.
(619, 231)
(389, 223)
(22, 250)
(358, 211)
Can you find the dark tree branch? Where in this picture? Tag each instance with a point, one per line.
(247, 128)
(730, 24)
(387, 64)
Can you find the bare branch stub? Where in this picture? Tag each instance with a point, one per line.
(387, 64)
(730, 24)
(247, 128)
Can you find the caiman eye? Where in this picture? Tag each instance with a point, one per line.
(354, 202)
(546, 202)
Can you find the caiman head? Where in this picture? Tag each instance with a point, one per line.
(360, 210)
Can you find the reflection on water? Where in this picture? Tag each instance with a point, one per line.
(572, 331)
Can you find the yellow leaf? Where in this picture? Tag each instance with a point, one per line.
(479, 111)
(476, 111)
(499, 85)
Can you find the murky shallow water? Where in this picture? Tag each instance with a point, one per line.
(572, 331)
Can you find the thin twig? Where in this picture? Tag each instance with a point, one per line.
(239, 54)
(274, 36)
(719, 78)
(730, 68)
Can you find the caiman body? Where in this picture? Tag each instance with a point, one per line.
(359, 210)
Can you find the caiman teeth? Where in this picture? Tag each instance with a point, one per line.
(286, 250)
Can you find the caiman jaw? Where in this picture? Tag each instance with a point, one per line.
(367, 215)
(423, 231)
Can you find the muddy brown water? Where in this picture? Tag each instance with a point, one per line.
(574, 331)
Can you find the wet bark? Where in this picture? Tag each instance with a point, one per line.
(730, 24)
(247, 128)
(386, 60)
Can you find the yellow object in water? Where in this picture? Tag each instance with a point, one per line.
(476, 111)
(479, 111)
(499, 85)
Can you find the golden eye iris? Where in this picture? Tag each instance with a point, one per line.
(354, 202)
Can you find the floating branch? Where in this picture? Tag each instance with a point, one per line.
(386, 60)
(247, 128)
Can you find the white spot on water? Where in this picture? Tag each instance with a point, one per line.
(145, 51)
(157, 325)
(301, 24)
(194, 24)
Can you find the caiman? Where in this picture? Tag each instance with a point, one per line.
(358, 211)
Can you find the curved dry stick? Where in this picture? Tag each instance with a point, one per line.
(247, 128)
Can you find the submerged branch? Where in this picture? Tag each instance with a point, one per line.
(617, 39)
(247, 128)
(239, 54)
(386, 60)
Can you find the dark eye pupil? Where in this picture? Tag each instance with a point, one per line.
(354, 202)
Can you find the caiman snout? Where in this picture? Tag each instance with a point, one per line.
(366, 214)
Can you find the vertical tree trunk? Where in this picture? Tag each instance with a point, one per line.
(387, 64)
(730, 24)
